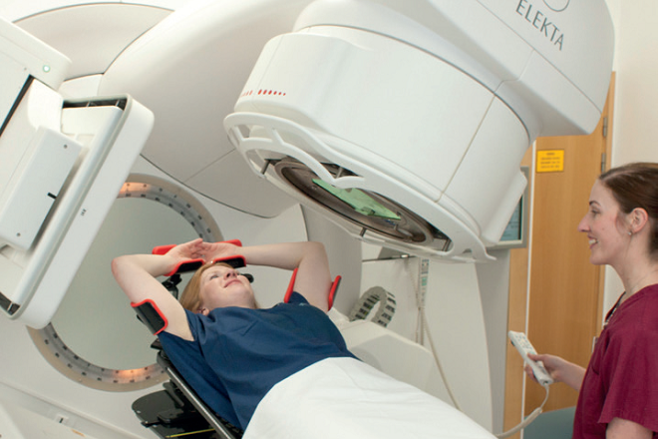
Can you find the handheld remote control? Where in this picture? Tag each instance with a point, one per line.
(523, 345)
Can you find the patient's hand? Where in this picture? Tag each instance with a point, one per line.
(189, 250)
(214, 250)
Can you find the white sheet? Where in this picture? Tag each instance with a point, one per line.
(345, 398)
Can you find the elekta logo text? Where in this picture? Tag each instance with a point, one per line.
(538, 19)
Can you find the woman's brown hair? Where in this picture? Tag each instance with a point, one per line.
(636, 185)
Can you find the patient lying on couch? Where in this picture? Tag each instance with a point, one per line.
(284, 371)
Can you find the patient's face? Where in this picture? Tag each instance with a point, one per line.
(223, 286)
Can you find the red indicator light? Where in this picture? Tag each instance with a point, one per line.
(266, 92)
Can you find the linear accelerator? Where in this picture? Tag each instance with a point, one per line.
(402, 122)
(407, 125)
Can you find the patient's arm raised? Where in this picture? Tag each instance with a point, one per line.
(136, 275)
(313, 279)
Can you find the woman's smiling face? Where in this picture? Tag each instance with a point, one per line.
(223, 286)
(604, 225)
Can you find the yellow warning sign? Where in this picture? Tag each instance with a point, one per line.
(550, 160)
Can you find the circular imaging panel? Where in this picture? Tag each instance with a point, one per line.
(95, 337)
(368, 210)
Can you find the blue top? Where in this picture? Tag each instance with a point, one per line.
(239, 354)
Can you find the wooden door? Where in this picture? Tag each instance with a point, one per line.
(564, 294)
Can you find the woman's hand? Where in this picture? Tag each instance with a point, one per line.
(559, 369)
(213, 250)
(186, 251)
(552, 364)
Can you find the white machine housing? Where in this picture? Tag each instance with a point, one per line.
(63, 164)
(22, 59)
(427, 110)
